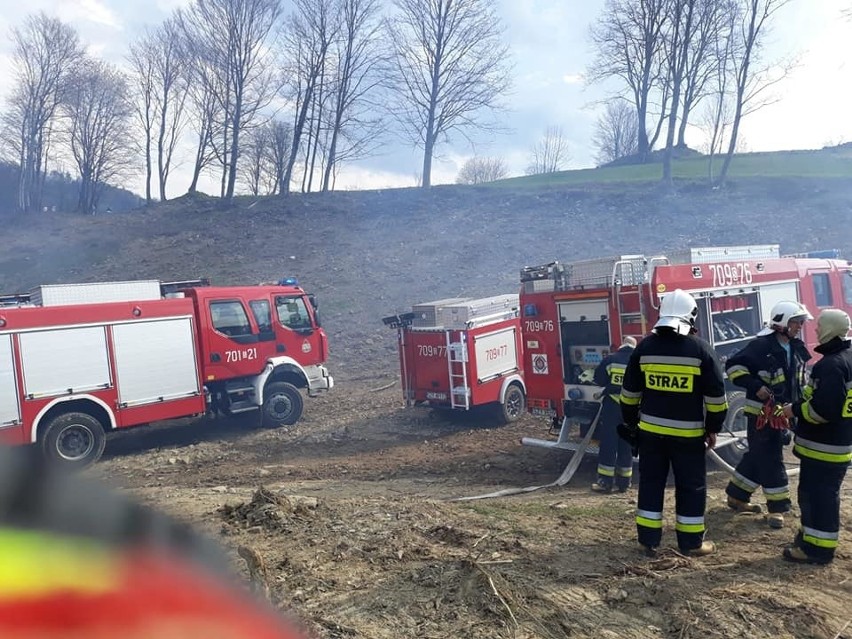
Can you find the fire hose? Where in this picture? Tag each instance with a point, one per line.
(563, 478)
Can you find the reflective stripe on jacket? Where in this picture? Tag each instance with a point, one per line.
(824, 430)
(764, 362)
(610, 372)
(674, 386)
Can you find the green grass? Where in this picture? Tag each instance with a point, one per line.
(808, 164)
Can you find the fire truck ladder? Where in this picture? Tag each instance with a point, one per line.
(457, 369)
(629, 271)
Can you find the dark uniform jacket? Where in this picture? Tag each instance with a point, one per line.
(764, 362)
(670, 381)
(824, 430)
(610, 372)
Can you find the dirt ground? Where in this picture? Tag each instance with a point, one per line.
(351, 511)
(352, 515)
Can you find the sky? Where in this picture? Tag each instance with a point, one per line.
(550, 51)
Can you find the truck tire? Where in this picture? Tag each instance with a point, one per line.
(513, 405)
(735, 422)
(282, 405)
(73, 440)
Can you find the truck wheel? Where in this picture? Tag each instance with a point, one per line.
(513, 406)
(73, 440)
(282, 405)
(735, 426)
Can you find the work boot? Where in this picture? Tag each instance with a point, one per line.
(742, 506)
(775, 520)
(599, 487)
(706, 548)
(799, 556)
(648, 551)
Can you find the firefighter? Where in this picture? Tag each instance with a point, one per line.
(771, 369)
(615, 460)
(823, 441)
(674, 398)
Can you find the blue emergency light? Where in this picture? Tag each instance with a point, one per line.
(288, 281)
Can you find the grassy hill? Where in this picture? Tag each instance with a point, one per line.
(371, 253)
(835, 162)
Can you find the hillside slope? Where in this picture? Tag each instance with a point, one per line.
(369, 254)
(354, 524)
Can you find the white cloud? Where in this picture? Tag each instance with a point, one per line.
(88, 11)
(573, 78)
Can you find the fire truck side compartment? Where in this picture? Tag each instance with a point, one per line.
(155, 361)
(10, 409)
(64, 361)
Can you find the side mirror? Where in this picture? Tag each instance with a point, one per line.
(317, 318)
(313, 300)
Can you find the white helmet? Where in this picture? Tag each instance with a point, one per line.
(678, 311)
(832, 323)
(782, 313)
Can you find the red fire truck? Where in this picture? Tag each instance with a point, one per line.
(573, 314)
(460, 353)
(80, 360)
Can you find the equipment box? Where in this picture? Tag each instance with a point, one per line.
(460, 314)
(95, 293)
(426, 314)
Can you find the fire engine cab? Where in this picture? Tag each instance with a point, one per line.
(80, 360)
(573, 314)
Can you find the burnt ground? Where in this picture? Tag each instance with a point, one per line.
(351, 510)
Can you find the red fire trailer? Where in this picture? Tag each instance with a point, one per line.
(458, 354)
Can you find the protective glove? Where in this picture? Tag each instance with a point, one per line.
(630, 434)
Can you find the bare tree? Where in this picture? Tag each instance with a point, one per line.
(142, 65)
(45, 52)
(678, 37)
(752, 77)
(550, 154)
(701, 66)
(718, 112)
(616, 132)
(451, 65)
(255, 153)
(172, 69)
(265, 151)
(353, 133)
(98, 114)
(480, 170)
(233, 42)
(311, 29)
(280, 146)
(629, 44)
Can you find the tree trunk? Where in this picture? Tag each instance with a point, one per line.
(642, 146)
(732, 144)
(199, 159)
(681, 133)
(148, 168)
(161, 170)
(297, 135)
(332, 153)
(235, 148)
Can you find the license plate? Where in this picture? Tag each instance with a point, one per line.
(438, 396)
